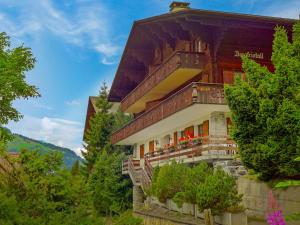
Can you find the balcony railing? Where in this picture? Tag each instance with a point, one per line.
(201, 93)
(206, 148)
(175, 61)
(209, 146)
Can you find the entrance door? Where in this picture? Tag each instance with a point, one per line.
(142, 151)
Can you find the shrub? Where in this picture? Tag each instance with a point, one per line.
(196, 176)
(169, 181)
(218, 192)
(265, 110)
(127, 218)
(198, 185)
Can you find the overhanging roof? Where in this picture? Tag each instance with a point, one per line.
(127, 78)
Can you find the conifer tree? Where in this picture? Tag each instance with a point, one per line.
(75, 170)
(101, 126)
(266, 110)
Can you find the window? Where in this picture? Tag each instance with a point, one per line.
(189, 131)
(228, 76)
(200, 130)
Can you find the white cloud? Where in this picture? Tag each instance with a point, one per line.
(73, 102)
(105, 61)
(58, 131)
(107, 49)
(87, 26)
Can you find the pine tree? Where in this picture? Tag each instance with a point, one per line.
(75, 168)
(101, 126)
(266, 110)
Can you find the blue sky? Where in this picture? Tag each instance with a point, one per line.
(78, 43)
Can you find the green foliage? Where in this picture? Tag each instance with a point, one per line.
(266, 110)
(111, 192)
(293, 217)
(101, 126)
(198, 185)
(166, 185)
(75, 170)
(38, 190)
(9, 214)
(218, 192)
(288, 183)
(14, 63)
(127, 218)
(121, 119)
(196, 176)
(19, 142)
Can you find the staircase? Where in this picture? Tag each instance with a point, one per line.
(140, 176)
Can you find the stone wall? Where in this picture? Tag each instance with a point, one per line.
(192, 210)
(234, 168)
(151, 220)
(255, 200)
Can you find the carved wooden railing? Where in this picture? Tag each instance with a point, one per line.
(202, 93)
(211, 145)
(175, 61)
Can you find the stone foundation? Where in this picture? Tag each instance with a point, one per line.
(255, 200)
(234, 168)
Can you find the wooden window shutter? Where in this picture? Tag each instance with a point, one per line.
(151, 146)
(142, 151)
(205, 128)
(189, 131)
(175, 138)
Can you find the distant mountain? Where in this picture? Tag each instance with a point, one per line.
(21, 142)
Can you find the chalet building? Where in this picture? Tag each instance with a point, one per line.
(171, 78)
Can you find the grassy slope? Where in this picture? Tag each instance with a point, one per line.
(21, 142)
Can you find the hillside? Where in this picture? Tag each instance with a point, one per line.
(21, 142)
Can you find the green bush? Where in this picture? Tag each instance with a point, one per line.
(169, 181)
(195, 176)
(198, 185)
(218, 192)
(127, 218)
(265, 110)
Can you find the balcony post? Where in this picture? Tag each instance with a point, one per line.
(195, 93)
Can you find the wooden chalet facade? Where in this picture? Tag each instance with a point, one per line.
(171, 78)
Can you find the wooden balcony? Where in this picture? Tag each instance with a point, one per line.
(194, 93)
(208, 149)
(173, 72)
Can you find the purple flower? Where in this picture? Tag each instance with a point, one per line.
(275, 218)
